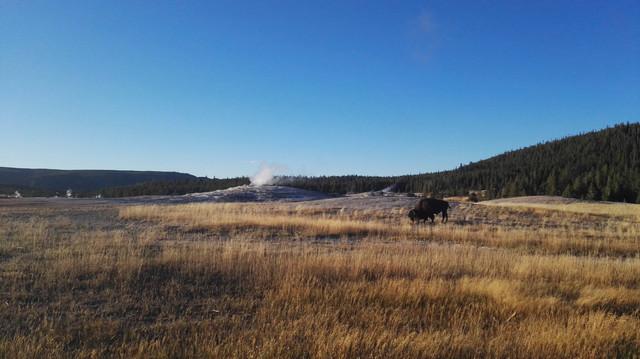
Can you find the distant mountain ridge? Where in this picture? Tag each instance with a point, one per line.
(52, 180)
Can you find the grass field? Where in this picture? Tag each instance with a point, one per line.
(610, 209)
(296, 280)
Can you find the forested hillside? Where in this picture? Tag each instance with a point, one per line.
(24, 191)
(201, 184)
(52, 181)
(602, 165)
(599, 165)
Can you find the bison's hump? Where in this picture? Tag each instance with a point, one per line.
(432, 204)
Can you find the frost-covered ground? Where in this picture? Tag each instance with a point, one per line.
(368, 200)
(283, 194)
(256, 194)
(238, 194)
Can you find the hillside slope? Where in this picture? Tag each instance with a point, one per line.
(599, 165)
(79, 180)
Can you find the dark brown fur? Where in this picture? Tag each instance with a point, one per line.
(429, 207)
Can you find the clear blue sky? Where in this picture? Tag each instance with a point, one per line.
(215, 88)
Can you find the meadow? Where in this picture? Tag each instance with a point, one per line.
(317, 281)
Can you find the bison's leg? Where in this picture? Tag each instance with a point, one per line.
(445, 216)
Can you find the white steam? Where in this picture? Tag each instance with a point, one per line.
(266, 175)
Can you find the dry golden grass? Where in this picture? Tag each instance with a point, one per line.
(297, 281)
(600, 208)
(606, 237)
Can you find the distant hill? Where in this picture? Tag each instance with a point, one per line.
(598, 165)
(49, 181)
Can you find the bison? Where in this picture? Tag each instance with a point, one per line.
(428, 208)
(417, 215)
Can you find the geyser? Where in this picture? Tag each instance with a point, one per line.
(265, 175)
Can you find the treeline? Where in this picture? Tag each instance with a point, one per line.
(599, 165)
(53, 180)
(340, 184)
(178, 187)
(23, 191)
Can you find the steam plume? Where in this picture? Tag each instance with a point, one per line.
(266, 175)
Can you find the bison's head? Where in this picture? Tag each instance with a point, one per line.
(412, 215)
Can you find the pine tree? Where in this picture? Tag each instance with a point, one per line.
(552, 184)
